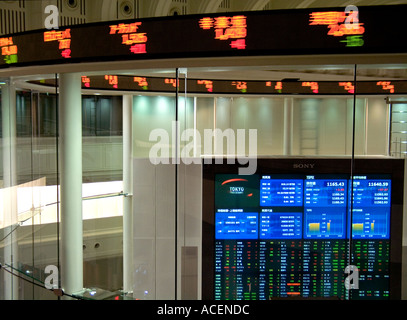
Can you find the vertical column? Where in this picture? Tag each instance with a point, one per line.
(388, 127)
(128, 265)
(366, 111)
(70, 137)
(288, 126)
(9, 132)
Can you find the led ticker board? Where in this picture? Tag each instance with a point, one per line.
(341, 24)
(9, 50)
(63, 40)
(131, 36)
(377, 29)
(227, 28)
(208, 86)
(289, 231)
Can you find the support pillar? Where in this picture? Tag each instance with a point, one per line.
(128, 263)
(70, 142)
(9, 145)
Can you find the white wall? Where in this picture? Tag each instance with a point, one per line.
(377, 136)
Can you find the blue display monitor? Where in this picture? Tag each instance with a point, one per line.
(280, 225)
(236, 224)
(313, 207)
(281, 192)
(325, 207)
(290, 230)
(371, 208)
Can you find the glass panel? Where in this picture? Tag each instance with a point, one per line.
(188, 195)
(377, 211)
(398, 112)
(147, 229)
(29, 213)
(37, 193)
(102, 191)
(305, 130)
(9, 217)
(154, 201)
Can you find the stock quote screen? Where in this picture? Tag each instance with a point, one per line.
(256, 33)
(288, 236)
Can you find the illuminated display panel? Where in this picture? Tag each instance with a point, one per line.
(85, 81)
(62, 38)
(371, 208)
(341, 24)
(227, 28)
(158, 84)
(9, 51)
(325, 208)
(281, 192)
(131, 36)
(112, 80)
(378, 29)
(277, 235)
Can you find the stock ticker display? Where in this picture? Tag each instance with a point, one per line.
(275, 32)
(282, 236)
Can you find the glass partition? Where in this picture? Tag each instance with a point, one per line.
(29, 230)
(154, 169)
(343, 222)
(159, 125)
(9, 218)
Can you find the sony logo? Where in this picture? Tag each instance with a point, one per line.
(303, 165)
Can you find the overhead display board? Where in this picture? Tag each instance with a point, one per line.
(377, 29)
(208, 86)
